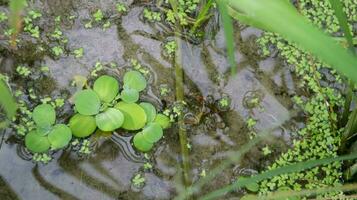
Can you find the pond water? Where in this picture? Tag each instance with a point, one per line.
(107, 173)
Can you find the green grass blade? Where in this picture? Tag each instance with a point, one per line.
(202, 16)
(16, 7)
(233, 157)
(276, 172)
(228, 33)
(7, 103)
(342, 20)
(295, 28)
(304, 193)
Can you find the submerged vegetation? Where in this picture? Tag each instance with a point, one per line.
(127, 103)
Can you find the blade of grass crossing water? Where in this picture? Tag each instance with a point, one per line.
(342, 20)
(180, 98)
(297, 29)
(228, 33)
(16, 7)
(7, 104)
(276, 172)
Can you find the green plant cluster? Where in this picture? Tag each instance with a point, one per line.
(151, 16)
(185, 8)
(106, 106)
(47, 135)
(321, 137)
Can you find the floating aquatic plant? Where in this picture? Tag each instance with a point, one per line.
(47, 135)
(108, 108)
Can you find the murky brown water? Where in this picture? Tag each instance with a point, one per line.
(107, 173)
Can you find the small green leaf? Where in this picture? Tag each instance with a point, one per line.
(134, 115)
(82, 125)
(129, 95)
(150, 111)
(163, 120)
(141, 144)
(153, 132)
(60, 136)
(134, 80)
(110, 119)
(87, 102)
(43, 131)
(106, 87)
(36, 143)
(44, 115)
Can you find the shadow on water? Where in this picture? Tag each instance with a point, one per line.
(6, 192)
(50, 187)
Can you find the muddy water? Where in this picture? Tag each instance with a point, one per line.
(107, 173)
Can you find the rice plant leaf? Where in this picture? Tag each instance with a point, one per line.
(297, 29)
(7, 103)
(228, 33)
(276, 172)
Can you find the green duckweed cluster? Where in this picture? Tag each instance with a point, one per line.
(320, 138)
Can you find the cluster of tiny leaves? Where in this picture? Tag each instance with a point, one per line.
(320, 138)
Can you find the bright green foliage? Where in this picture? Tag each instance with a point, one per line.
(120, 7)
(321, 137)
(3, 16)
(138, 180)
(44, 115)
(37, 143)
(78, 53)
(7, 103)
(141, 143)
(134, 80)
(107, 88)
(98, 15)
(129, 95)
(87, 102)
(46, 136)
(110, 119)
(150, 111)
(60, 136)
(170, 48)
(152, 132)
(23, 71)
(151, 15)
(57, 51)
(134, 116)
(163, 120)
(82, 125)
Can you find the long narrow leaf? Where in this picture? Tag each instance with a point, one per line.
(342, 20)
(7, 103)
(282, 18)
(228, 33)
(276, 172)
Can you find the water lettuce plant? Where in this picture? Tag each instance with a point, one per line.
(106, 107)
(47, 134)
